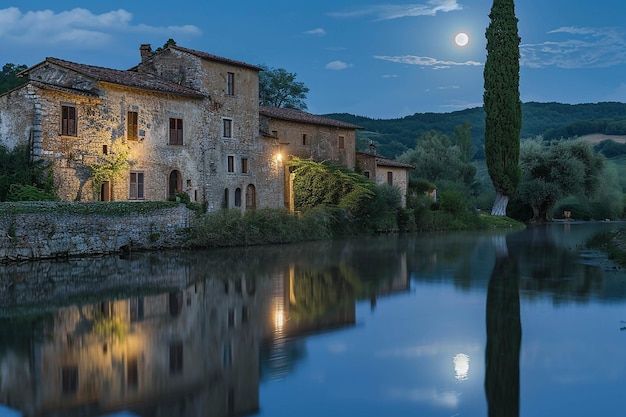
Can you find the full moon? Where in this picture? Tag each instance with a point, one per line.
(461, 39)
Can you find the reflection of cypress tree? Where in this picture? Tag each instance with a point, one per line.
(504, 337)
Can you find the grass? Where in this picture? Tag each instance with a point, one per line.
(116, 208)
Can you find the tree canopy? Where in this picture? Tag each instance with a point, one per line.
(9, 79)
(279, 88)
(503, 108)
(562, 169)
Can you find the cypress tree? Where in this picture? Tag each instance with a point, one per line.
(502, 104)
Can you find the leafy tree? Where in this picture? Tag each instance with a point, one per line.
(279, 88)
(558, 170)
(9, 79)
(22, 178)
(503, 108)
(438, 160)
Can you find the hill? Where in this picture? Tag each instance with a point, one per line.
(550, 120)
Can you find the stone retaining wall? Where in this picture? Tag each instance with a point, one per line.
(58, 234)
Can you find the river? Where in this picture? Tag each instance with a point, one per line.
(441, 324)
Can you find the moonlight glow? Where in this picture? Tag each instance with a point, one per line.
(461, 39)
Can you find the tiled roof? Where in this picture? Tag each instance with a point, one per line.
(126, 78)
(387, 162)
(294, 115)
(212, 57)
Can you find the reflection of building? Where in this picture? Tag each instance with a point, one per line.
(189, 352)
(307, 300)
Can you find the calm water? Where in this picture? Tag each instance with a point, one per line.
(454, 324)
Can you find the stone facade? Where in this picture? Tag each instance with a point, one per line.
(294, 133)
(385, 171)
(181, 121)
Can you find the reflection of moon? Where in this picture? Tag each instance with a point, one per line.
(461, 39)
(461, 366)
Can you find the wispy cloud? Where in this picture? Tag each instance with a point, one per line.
(391, 76)
(315, 32)
(77, 26)
(577, 47)
(396, 11)
(337, 65)
(425, 61)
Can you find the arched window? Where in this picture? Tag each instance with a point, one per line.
(250, 197)
(238, 197)
(175, 184)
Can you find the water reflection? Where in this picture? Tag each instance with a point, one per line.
(504, 334)
(189, 346)
(197, 333)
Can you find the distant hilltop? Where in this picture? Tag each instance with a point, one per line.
(549, 120)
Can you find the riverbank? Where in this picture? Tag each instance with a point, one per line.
(613, 243)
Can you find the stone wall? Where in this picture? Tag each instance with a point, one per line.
(50, 233)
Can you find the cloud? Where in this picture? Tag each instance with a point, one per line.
(425, 61)
(337, 65)
(396, 11)
(391, 76)
(316, 32)
(576, 47)
(78, 27)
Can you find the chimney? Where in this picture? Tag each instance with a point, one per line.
(146, 51)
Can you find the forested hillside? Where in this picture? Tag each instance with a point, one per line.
(550, 120)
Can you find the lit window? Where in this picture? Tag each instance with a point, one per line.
(176, 131)
(68, 121)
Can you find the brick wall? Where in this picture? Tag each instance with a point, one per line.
(54, 234)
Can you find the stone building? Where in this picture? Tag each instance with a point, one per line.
(180, 121)
(295, 133)
(385, 171)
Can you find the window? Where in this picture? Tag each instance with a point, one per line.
(304, 139)
(228, 128)
(231, 163)
(244, 165)
(69, 379)
(176, 131)
(68, 121)
(238, 197)
(231, 318)
(136, 186)
(367, 174)
(225, 203)
(132, 125)
(389, 177)
(230, 84)
(176, 357)
(244, 314)
(341, 142)
(105, 150)
(228, 356)
(136, 309)
(132, 372)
